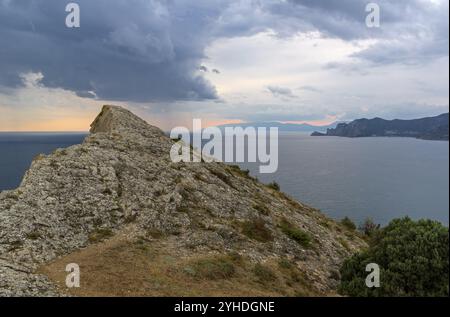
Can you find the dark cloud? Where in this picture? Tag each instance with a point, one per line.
(151, 50)
(135, 50)
(280, 91)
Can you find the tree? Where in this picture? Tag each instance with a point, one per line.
(369, 227)
(413, 261)
(348, 223)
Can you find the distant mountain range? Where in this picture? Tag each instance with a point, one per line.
(284, 127)
(431, 128)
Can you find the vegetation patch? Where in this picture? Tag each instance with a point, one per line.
(222, 176)
(130, 218)
(100, 234)
(183, 209)
(155, 233)
(301, 237)
(141, 244)
(264, 273)
(54, 164)
(60, 152)
(256, 229)
(15, 245)
(38, 157)
(243, 173)
(213, 268)
(348, 223)
(344, 244)
(413, 257)
(369, 228)
(34, 235)
(274, 185)
(285, 264)
(262, 209)
(294, 277)
(13, 195)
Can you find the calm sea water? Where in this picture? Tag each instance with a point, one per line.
(381, 178)
(17, 150)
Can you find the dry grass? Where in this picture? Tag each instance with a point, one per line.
(119, 267)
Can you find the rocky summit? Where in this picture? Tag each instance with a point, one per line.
(138, 224)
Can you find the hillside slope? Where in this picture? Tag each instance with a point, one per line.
(138, 224)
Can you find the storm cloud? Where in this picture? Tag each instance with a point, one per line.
(152, 51)
(134, 50)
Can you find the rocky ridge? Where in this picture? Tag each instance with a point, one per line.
(121, 179)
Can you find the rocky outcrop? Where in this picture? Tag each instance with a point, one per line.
(122, 178)
(433, 128)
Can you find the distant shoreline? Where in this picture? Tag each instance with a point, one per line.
(430, 128)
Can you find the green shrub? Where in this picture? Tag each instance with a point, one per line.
(413, 260)
(239, 171)
(348, 223)
(301, 237)
(274, 185)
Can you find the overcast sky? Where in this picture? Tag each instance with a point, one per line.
(221, 61)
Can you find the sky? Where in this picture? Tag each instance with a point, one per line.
(222, 61)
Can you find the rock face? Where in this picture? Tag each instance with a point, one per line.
(121, 179)
(433, 128)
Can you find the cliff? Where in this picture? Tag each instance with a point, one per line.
(138, 224)
(432, 128)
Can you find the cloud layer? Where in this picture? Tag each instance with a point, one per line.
(153, 50)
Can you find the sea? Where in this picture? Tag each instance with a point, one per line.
(378, 178)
